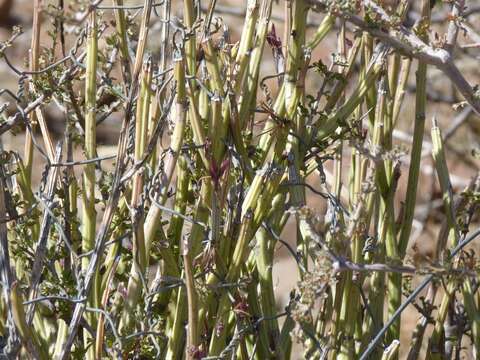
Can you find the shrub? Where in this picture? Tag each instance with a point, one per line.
(169, 253)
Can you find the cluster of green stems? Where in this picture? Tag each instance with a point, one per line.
(204, 215)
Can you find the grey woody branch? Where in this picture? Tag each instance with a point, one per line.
(404, 40)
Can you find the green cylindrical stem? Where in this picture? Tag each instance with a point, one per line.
(139, 251)
(419, 127)
(89, 181)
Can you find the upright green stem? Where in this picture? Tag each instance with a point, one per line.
(416, 152)
(152, 220)
(294, 90)
(251, 82)
(89, 181)
(387, 185)
(265, 266)
(246, 40)
(139, 250)
(192, 333)
(120, 21)
(34, 62)
(28, 337)
(435, 345)
(400, 91)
